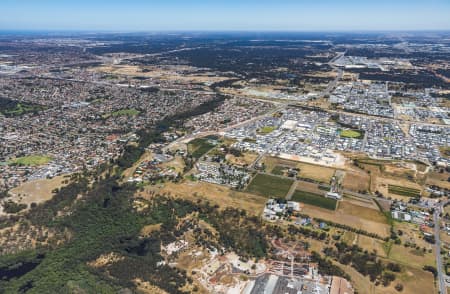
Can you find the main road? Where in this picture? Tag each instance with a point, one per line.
(439, 266)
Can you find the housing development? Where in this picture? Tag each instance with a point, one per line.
(225, 163)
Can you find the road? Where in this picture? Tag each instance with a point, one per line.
(439, 266)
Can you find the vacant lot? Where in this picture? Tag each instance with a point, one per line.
(32, 160)
(269, 186)
(404, 191)
(199, 147)
(314, 199)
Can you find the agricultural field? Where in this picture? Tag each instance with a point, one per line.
(314, 199)
(404, 191)
(31, 160)
(199, 147)
(269, 186)
(355, 134)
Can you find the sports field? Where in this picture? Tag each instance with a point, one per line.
(351, 134)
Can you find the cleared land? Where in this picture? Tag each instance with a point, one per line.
(269, 186)
(404, 191)
(31, 160)
(314, 199)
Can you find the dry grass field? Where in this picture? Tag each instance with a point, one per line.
(216, 194)
(316, 172)
(382, 185)
(356, 181)
(338, 216)
(414, 281)
(412, 257)
(247, 158)
(177, 73)
(37, 191)
(370, 214)
(438, 179)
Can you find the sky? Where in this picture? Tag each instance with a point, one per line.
(224, 15)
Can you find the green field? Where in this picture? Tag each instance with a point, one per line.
(404, 191)
(122, 112)
(314, 199)
(266, 130)
(269, 186)
(352, 134)
(278, 170)
(12, 108)
(199, 147)
(32, 160)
